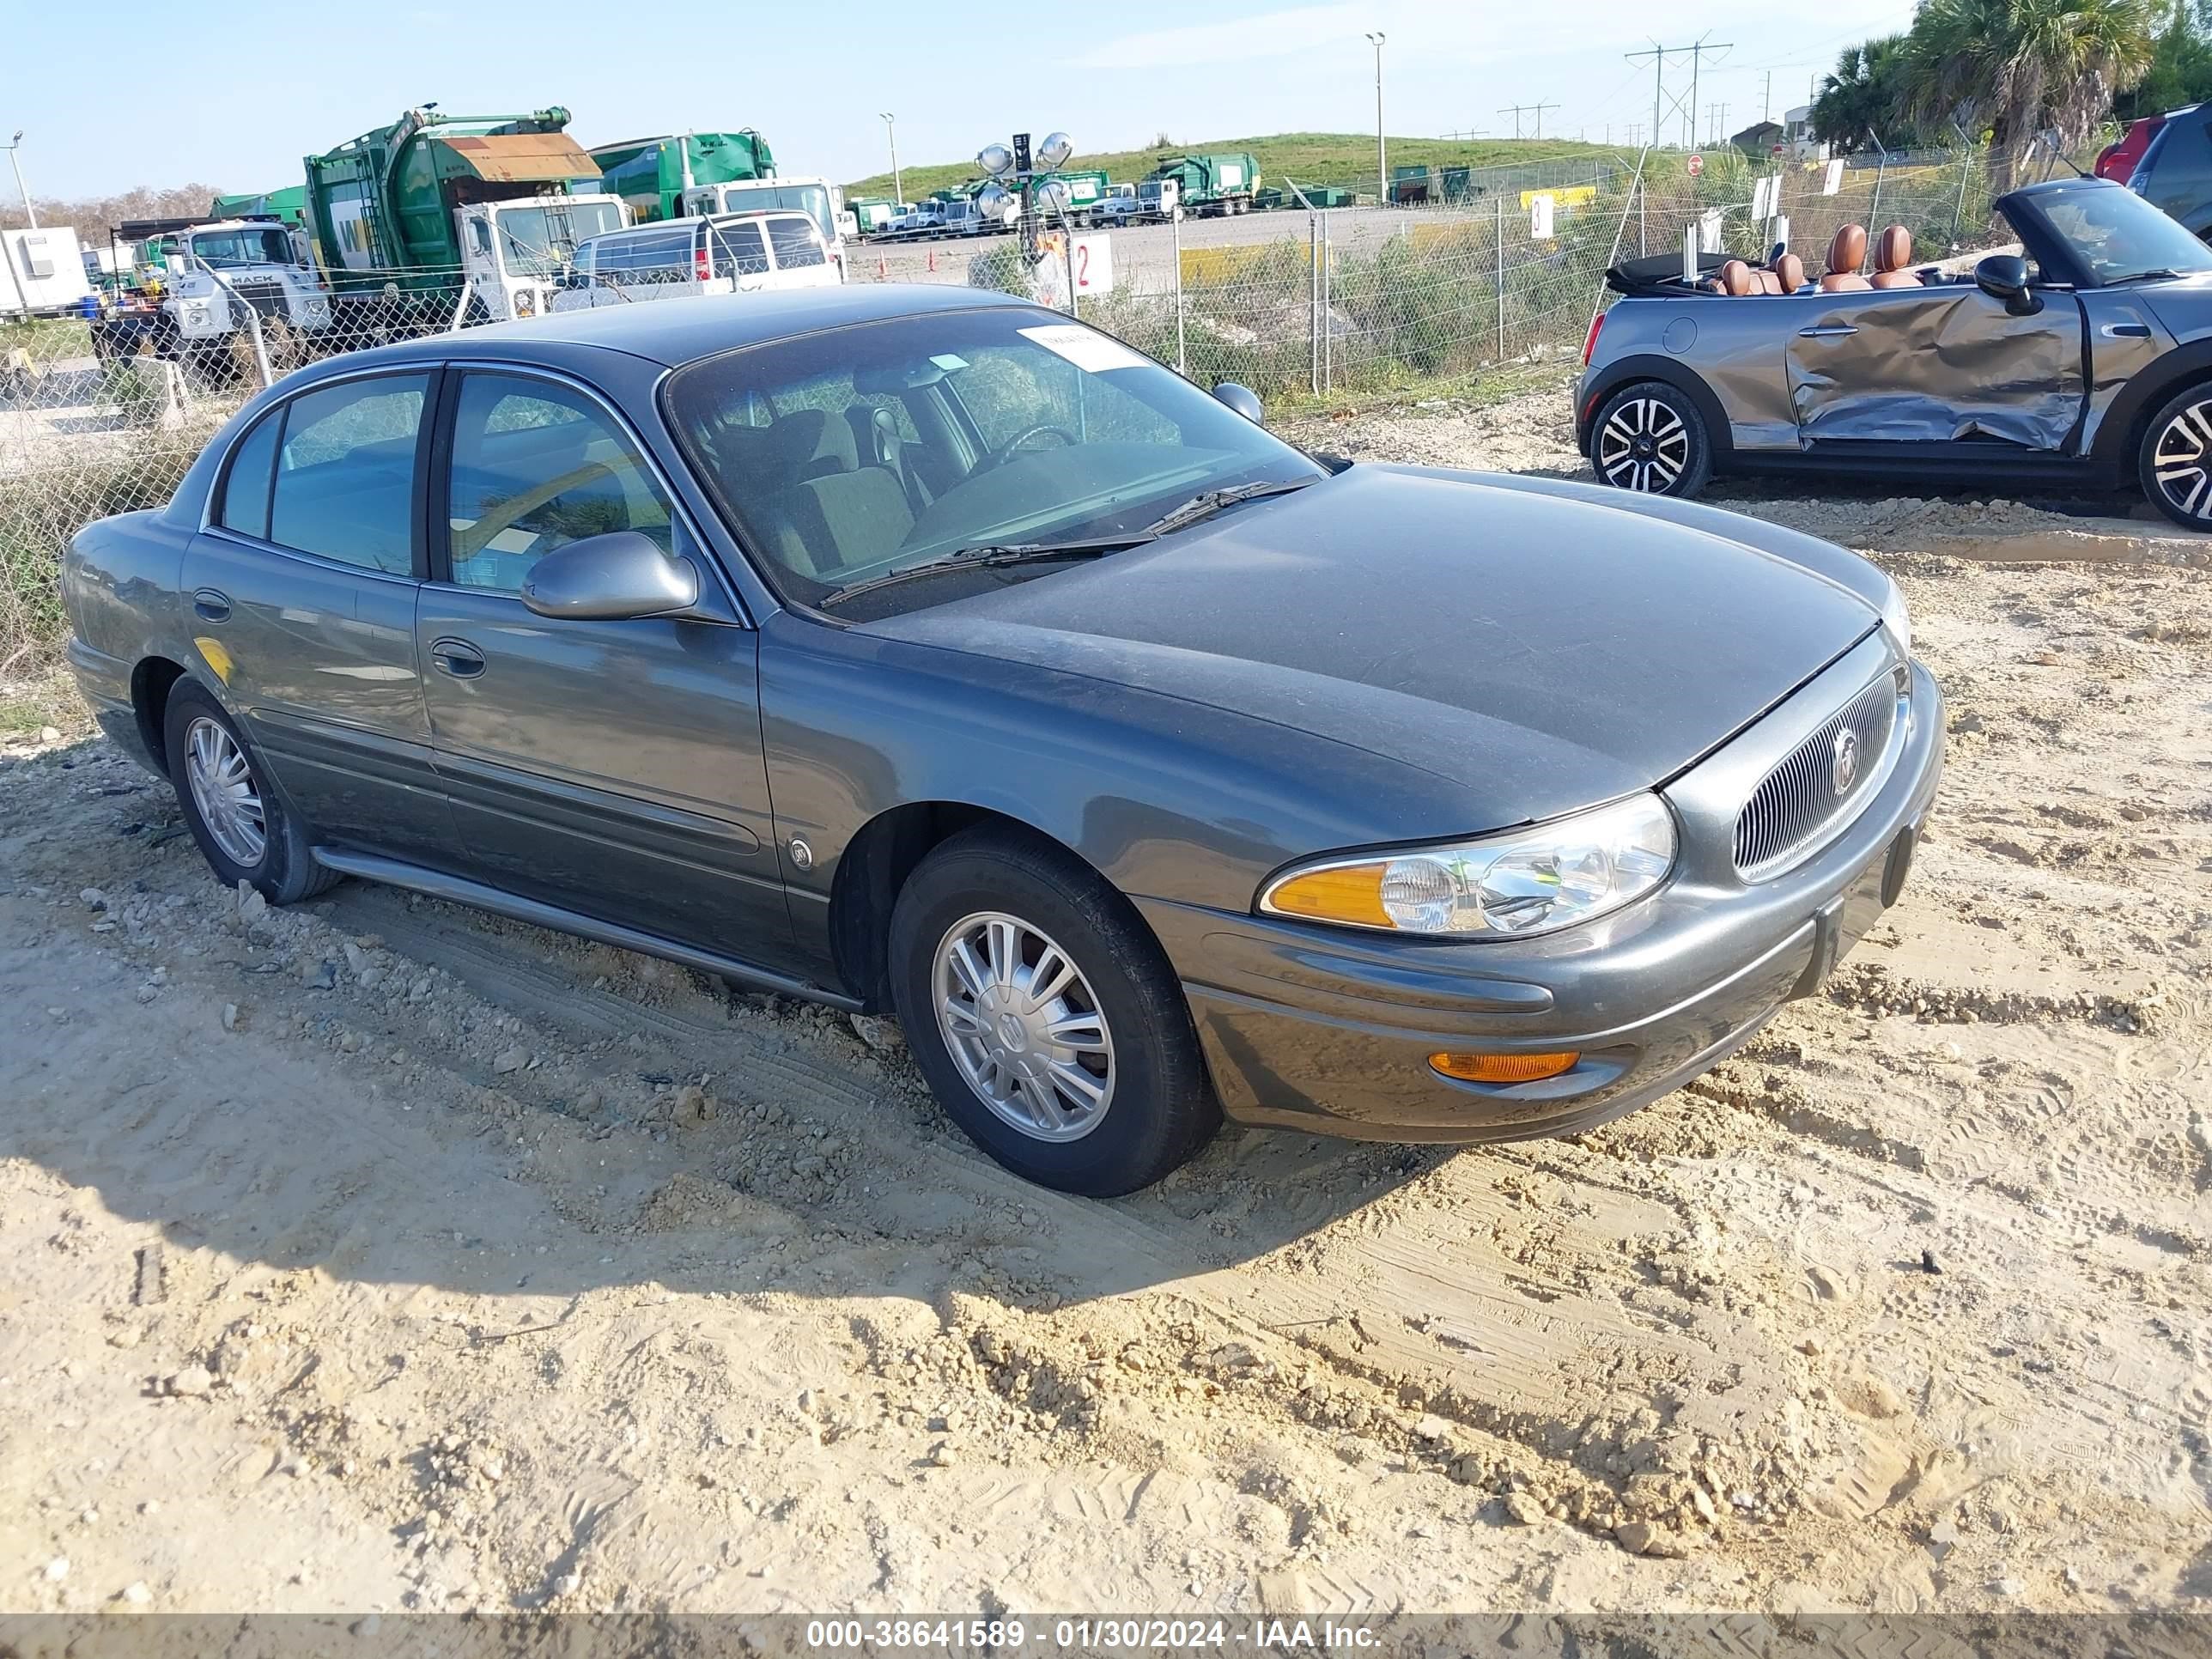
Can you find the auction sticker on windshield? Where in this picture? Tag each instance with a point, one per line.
(1087, 350)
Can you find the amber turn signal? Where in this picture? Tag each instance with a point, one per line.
(1505, 1068)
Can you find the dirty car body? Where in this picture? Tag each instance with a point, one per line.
(2057, 376)
(1336, 765)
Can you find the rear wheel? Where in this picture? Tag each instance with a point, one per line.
(1650, 439)
(241, 826)
(1046, 1018)
(2175, 464)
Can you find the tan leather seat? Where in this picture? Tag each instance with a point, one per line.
(1789, 271)
(1892, 252)
(1736, 277)
(1846, 253)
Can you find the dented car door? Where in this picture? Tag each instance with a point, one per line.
(1944, 364)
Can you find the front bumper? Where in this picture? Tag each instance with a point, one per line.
(1330, 1030)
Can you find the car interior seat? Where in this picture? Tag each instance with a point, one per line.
(875, 431)
(1846, 253)
(1892, 252)
(1789, 271)
(1736, 277)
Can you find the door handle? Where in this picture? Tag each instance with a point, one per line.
(458, 658)
(1826, 330)
(209, 604)
(2127, 330)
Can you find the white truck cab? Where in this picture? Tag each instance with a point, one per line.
(201, 267)
(513, 253)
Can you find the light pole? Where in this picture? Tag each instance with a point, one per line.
(1381, 168)
(21, 189)
(891, 131)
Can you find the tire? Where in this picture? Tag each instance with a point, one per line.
(284, 870)
(2173, 463)
(988, 887)
(1650, 439)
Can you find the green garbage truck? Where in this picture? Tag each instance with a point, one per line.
(652, 174)
(1218, 182)
(438, 219)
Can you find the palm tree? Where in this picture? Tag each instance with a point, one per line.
(2023, 67)
(1862, 96)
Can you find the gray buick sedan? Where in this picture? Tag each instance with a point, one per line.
(917, 650)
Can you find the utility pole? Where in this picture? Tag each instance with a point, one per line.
(1517, 111)
(891, 131)
(1715, 124)
(21, 189)
(1381, 164)
(1766, 100)
(1662, 104)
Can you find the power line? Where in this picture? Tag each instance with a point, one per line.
(1716, 122)
(1664, 104)
(1517, 111)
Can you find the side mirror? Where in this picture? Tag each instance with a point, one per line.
(611, 577)
(2004, 277)
(1243, 400)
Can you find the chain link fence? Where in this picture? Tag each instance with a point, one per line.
(103, 415)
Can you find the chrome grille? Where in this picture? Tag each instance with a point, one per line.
(1797, 804)
(267, 298)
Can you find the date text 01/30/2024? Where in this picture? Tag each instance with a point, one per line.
(1257, 1635)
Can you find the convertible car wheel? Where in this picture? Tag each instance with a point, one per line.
(2176, 462)
(1649, 438)
(1047, 1020)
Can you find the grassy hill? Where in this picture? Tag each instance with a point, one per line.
(1310, 158)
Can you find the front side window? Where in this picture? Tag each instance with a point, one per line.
(662, 256)
(796, 241)
(344, 484)
(536, 466)
(840, 455)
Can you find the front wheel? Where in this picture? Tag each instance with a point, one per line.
(1650, 439)
(2175, 463)
(1046, 1018)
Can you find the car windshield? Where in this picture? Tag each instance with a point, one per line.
(234, 250)
(538, 241)
(840, 456)
(2119, 235)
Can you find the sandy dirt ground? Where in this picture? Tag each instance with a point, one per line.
(378, 1255)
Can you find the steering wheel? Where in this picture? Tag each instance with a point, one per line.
(1005, 452)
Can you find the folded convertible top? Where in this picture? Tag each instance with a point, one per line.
(1659, 273)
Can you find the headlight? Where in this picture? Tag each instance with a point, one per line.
(1898, 620)
(1513, 885)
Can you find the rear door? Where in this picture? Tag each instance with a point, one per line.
(302, 591)
(609, 768)
(1945, 364)
(741, 257)
(801, 259)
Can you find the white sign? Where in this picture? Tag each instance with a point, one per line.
(1834, 180)
(1096, 354)
(1709, 231)
(1539, 217)
(1766, 197)
(1092, 258)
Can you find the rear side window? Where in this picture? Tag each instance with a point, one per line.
(657, 256)
(796, 242)
(739, 250)
(344, 486)
(246, 488)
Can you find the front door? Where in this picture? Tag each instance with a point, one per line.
(1945, 364)
(303, 594)
(610, 768)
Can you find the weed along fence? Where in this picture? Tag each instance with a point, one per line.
(1505, 265)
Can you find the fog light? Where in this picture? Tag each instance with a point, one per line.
(1504, 1068)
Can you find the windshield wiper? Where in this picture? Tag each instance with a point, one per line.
(2142, 276)
(1207, 505)
(991, 555)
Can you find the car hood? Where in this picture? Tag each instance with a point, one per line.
(1544, 651)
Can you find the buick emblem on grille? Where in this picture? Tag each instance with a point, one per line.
(1843, 763)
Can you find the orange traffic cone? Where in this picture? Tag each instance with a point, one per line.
(932, 259)
(882, 269)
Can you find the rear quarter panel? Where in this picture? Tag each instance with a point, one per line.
(1733, 347)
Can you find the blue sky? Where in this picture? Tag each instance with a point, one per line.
(236, 95)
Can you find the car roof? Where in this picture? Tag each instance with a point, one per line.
(678, 331)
